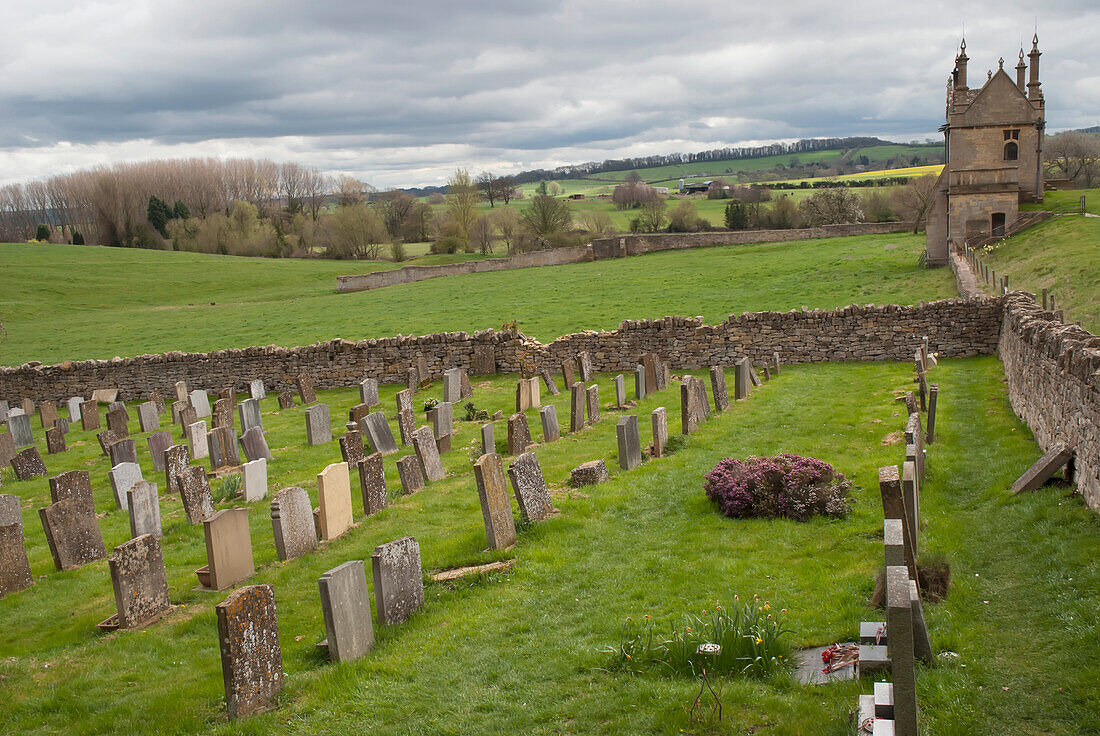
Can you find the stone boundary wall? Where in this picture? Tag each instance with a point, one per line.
(955, 328)
(965, 281)
(629, 245)
(1053, 374)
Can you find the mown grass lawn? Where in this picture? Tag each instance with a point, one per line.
(519, 652)
(76, 302)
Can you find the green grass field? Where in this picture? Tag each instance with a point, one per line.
(79, 302)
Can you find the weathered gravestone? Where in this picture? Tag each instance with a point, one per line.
(718, 388)
(519, 434)
(368, 391)
(4, 409)
(73, 405)
(255, 480)
(118, 421)
(27, 406)
(252, 660)
(422, 370)
(775, 363)
(318, 425)
(930, 430)
(899, 626)
(27, 464)
(63, 424)
(651, 365)
(412, 380)
(398, 580)
(176, 461)
(910, 491)
(19, 426)
(639, 382)
(893, 507)
(139, 581)
(194, 490)
(406, 423)
(106, 438)
(177, 411)
(357, 412)
(249, 413)
(335, 514)
(742, 382)
(73, 484)
(428, 454)
(411, 474)
(1043, 469)
(345, 607)
(143, 503)
(292, 522)
(187, 417)
(452, 385)
(47, 414)
(351, 445)
(222, 444)
(15, 569)
(72, 533)
(548, 381)
(195, 434)
(7, 448)
(286, 400)
(548, 415)
(529, 487)
(630, 444)
(484, 362)
(159, 442)
(372, 483)
(702, 401)
(89, 415)
(620, 391)
(377, 432)
(158, 401)
(592, 401)
(123, 451)
(588, 473)
(576, 407)
(123, 477)
(496, 509)
(148, 419)
(584, 361)
(523, 394)
(569, 372)
(659, 420)
(55, 441)
(182, 392)
(256, 389)
(305, 389)
(404, 399)
(488, 438)
(201, 401)
(255, 445)
(442, 418)
(222, 413)
(690, 415)
(228, 550)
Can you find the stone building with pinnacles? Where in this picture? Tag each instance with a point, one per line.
(993, 142)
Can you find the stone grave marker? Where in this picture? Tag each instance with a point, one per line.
(143, 503)
(106, 438)
(139, 581)
(158, 401)
(195, 435)
(893, 507)
(690, 417)
(351, 446)
(467, 389)
(412, 380)
(372, 483)
(89, 415)
(519, 435)
(123, 451)
(899, 626)
(7, 448)
(255, 480)
(72, 533)
(405, 400)
(411, 474)
(523, 395)
(177, 410)
(286, 400)
(305, 389)
(659, 421)
(73, 405)
(452, 385)
(201, 401)
(592, 400)
(442, 418)
(318, 425)
(1043, 469)
(754, 377)
(548, 381)
(27, 406)
(576, 407)
(529, 487)
(176, 461)
(699, 394)
(148, 418)
(63, 424)
(252, 660)
(488, 438)
(357, 412)
(588, 473)
(19, 426)
(398, 580)
(123, 477)
(620, 391)
(584, 361)
(485, 359)
(182, 392)
(775, 363)
(930, 431)
(639, 382)
(194, 490)
(630, 446)
(345, 607)
(422, 369)
(569, 371)
(910, 492)
(15, 569)
(249, 413)
(256, 389)
(549, 417)
(187, 417)
(377, 432)
(47, 414)
(293, 524)
(159, 442)
(718, 388)
(4, 409)
(222, 444)
(368, 392)
(73, 484)
(228, 550)
(27, 464)
(222, 413)
(534, 392)
(55, 441)
(428, 454)
(334, 499)
(742, 383)
(255, 445)
(496, 509)
(651, 368)
(406, 423)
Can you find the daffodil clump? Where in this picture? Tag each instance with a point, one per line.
(750, 634)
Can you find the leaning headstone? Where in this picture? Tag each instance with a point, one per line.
(28, 464)
(549, 417)
(620, 391)
(222, 413)
(73, 406)
(377, 432)
(176, 461)
(159, 442)
(893, 507)
(404, 399)
(318, 425)
(357, 412)
(452, 385)
(256, 389)
(252, 660)
(27, 406)
(15, 569)
(589, 473)
(639, 382)
(194, 490)
(286, 400)
(659, 420)
(177, 410)
(293, 524)
(398, 580)
(406, 423)
(148, 418)
(372, 484)
(351, 446)
(123, 477)
(19, 426)
(255, 480)
(106, 438)
(1043, 469)
(630, 445)
(201, 401)
(899, 625)
(742, 381)
(334, 499)
(442, 418)
(89, 415)
(187, 417)
(569, 371)
(305, 389)
(576, 407)
(139, 581)
(249, 413)
(47, 414)
(411, 474)
(368, 391)
(519, 435)
(228, 550)
(775, 363)
(123, 451)
(584, 360)
(143, 503)
(73, 484)
(930, 431)
(488, 438)
(718, 388)
(529, 487)
(428, 454)
(196, 439)
(345, 607)
(222, 444)
(651, 368)
(7, 448)
(55, 440)
(496, 509)
(467, 389)
(72, 533)
(702, 401)
(910, 493)
(592, 401)
(255, 445)
(548, 381)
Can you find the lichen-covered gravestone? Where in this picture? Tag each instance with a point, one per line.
(718, 388)
(576, 407)
(139, 581)
(72, 533)
(592, 400)
(742, 380)
(584, 361)
(411, 474)
(519, 435)
(496, 509)
(372, 483)
(548, 381)
(256, 389)
(589, 473)
(334, 500)
(286, 400)
(118, 422)
(529, 487)
(144, 506)
(15, 569)
(176, 460)
(194, 490)
(158, 443)
(398, 580)
(305, 389)
(406, 423)
(549, 418)
(292, 521)
(222, 413)
(55, 440)
(28, 464)
(252, 660)
(345, 607)
(89, 415)
(73, 484)
(630, 446)
(318, 425)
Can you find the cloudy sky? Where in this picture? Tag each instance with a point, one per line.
(399, 94)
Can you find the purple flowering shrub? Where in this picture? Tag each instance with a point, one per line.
(789, 486)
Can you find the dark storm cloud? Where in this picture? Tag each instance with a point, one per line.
(401, 93)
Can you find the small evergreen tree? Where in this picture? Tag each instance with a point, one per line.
(736, 216)
(158, 214)
(43, 233)
(180, 211)
(78, 238)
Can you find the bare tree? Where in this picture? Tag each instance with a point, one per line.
(546, 216)
(487, 184)
(506, 186)
(292, 186)
(831, 206)
(348, 190)
(315, 187)
(481, 234)
(462, 202)
(913, 200)
(1076, 156)
(395, 206)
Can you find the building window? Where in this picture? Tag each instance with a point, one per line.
(1012, 135)
(1012, 151)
